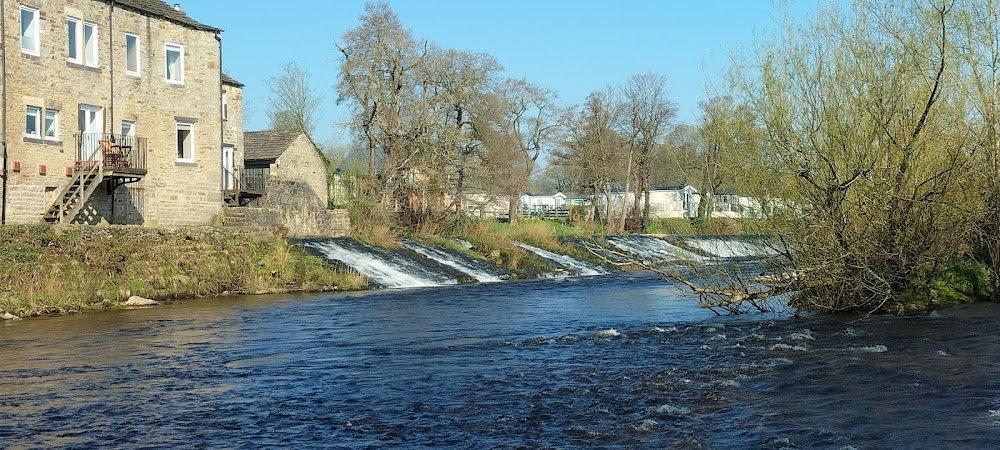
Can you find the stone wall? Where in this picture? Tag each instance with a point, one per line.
(292, 207)
(174, 193)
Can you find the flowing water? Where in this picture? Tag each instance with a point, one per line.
(611, 361)
(383, 268)
(568, 263)
(479, 270)
(653, 250)
(733, 247)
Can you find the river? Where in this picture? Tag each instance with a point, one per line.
(610, 361)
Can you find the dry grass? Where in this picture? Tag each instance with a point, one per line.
(497, 241)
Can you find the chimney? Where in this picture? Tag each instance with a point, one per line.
(177, 6)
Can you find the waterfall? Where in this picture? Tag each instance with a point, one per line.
(733, 247)
(569, 263)
(653, 250)
(475, 268)
(382, 267)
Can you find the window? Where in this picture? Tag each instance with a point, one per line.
(225, 107)
(90, 44)
(51, 125)
(131, 54)
(175, 63)
(74, 28)
(185, 142)
(32, 125)
(128, 129)
(29, 30)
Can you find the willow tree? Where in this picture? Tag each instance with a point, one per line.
(979, 49)
(864, 150)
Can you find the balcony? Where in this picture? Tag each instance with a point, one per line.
(118, 155)
(245, 185)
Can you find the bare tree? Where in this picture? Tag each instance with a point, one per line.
(595, 152)
(293, 104)
(381, 78)
(647, 115)
(517, 123)
(461, 80)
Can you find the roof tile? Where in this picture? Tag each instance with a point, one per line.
(158, 8)
(267, 145)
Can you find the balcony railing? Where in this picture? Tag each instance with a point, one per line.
(115, 152)
(253, 180)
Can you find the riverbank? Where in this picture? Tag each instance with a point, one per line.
(47, 269)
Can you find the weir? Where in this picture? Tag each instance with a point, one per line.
(568, 263)
(479, 270)
(653, 250)
(383, 268)
(417, 264)
(741, 247)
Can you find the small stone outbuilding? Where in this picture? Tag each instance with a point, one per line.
(287, 156)
(294, 193)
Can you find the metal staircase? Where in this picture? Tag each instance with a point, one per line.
(76, 193)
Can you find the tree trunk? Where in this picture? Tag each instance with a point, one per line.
(512, 203)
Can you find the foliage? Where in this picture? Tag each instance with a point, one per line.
(672, 226)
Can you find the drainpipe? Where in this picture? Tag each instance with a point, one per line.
(111, 69)
(222, 126)
(3, 109)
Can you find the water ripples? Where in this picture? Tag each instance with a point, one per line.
(605, 362)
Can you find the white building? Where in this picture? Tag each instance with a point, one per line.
(682, 202)
(541, 203)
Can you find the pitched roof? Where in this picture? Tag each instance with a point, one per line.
(158, 8)
(226, 79)
(267, 145)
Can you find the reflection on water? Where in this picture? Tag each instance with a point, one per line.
(526, 364)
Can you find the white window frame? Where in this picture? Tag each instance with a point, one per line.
(90, 46)
(55, 125)
(167, 48)
(138, 58)
(225, 106)
(33, 115)
(74, 32)
(35, 19)
(189, 126)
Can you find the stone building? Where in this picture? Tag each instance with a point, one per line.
(283, 186)
(232, 133)
(113, 113)
(289, 156)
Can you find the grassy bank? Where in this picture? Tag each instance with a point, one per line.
(52, 269)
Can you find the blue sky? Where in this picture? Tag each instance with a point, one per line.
(572, 47)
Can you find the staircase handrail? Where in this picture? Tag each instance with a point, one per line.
(86, 193)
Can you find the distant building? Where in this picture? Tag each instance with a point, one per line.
(682, 202)
(539, 203)
(664, 202)
(673, 202)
